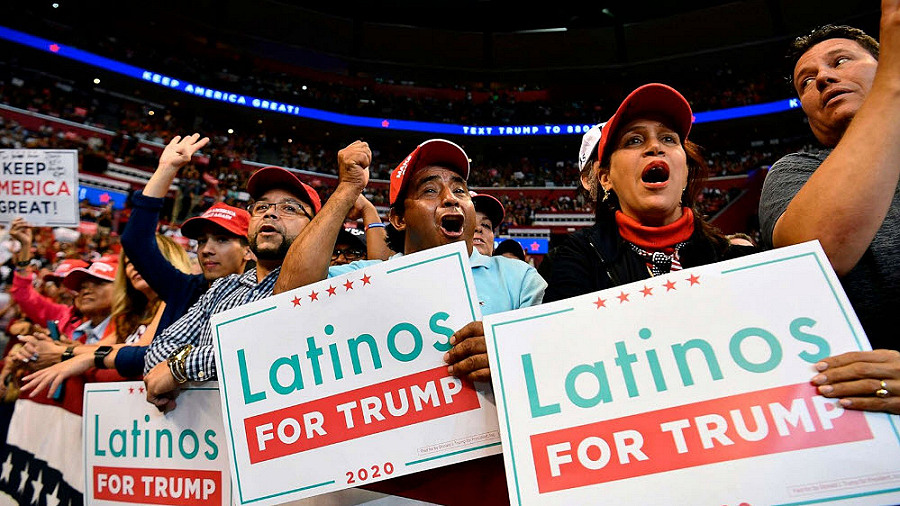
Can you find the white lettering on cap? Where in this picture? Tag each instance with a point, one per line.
(402, 168)
(226, 214)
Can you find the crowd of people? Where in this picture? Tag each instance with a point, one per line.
(138, 305)
(220, 174)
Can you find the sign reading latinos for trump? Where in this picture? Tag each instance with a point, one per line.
(690, 388)
(136, 455)
(40, 185)
(342, 383)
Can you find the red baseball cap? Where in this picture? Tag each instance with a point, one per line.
(490, 206)
(234, 220)
(267, 178)
(431, 152)
(64, 268)
(103, 269)
(654, 98)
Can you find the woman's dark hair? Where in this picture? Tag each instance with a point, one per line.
(698, 173)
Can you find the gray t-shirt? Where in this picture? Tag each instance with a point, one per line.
(873, 286)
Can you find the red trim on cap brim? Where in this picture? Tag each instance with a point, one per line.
(267, 178)
(654, 98)
(431, 152)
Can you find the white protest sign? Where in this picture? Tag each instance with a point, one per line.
(40, 185)
(690, 388)
(133, 454)
(342, 383)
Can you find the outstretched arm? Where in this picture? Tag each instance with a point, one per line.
(847, 198)
(308, 258)
(139, 236)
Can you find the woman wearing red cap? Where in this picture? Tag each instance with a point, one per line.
(649, 177)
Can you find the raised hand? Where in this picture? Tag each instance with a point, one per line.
(21, 231)
(179, 151)
(353, 165)
(360, 208)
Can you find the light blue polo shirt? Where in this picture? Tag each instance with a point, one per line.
(503, 284)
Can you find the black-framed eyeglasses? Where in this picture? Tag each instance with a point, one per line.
(288, 208)
(350, 254)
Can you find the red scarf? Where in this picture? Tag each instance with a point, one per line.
(662, 238)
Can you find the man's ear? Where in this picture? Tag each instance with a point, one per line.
(397, 220)
(248, 255)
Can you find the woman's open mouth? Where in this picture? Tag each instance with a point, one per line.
(452, 225)
(655, 174)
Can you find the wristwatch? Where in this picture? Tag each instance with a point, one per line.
(100, 354)
(69, 353)
(176, 363)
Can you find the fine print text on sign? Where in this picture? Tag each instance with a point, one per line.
(136, 455)
(40, 185)
(341, 383)
(690, 388)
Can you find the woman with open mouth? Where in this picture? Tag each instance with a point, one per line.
(647, 177)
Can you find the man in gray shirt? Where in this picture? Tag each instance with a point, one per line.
(846, 194)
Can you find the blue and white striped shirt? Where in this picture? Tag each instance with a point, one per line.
(193, 328)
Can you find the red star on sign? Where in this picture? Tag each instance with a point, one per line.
(623, 297)
(313, 295)
(600, 303)
(104, 197)
(367, 280)
(296, 301)
(695, 280)
(670, 285)
(54, 48)
(331, 290)
(141, 389)
(348, 285)
(647, 291)
(535, 246)
(385, 123)
(131, 390)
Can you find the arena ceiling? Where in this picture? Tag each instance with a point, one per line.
(504, 16)
(490, 39)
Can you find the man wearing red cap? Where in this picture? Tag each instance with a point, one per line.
(281, 207)
(221, 234)
(430, 206)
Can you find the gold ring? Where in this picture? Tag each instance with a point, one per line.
(883, 391)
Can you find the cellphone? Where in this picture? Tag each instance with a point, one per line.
(53, 327)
